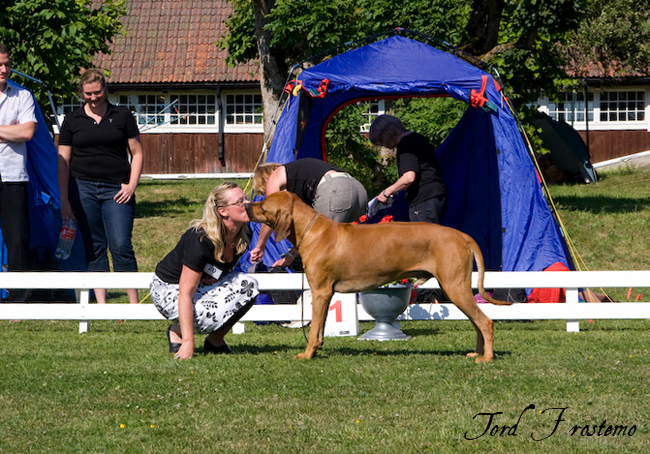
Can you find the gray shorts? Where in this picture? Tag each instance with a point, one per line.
(215, 305)
(340, 197)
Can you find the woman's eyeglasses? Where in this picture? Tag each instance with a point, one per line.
(240, 203)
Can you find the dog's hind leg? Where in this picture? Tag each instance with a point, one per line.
(464, 300)
(319, 307)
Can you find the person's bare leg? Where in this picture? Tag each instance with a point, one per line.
(216, 338)
(100, 295)
(132, 293)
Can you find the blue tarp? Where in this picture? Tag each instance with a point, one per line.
(44, 200)
(494, 191)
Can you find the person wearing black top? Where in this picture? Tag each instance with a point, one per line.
(97, 182)
(196, 283)
(419, 175)
(321, 185)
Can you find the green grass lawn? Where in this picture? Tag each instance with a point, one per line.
(116, 389)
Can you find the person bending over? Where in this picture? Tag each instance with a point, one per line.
(321, 185)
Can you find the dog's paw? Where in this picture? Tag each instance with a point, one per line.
(471, 355)
(304, 355)
(482, 359)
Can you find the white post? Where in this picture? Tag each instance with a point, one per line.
(84, 298)
(572, 326)
(238, 328)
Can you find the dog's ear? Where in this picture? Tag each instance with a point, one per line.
(282, 226)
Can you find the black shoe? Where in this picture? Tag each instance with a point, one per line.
(221, 349)
(173, 346)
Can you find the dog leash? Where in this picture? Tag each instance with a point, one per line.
(302, 300)
(302, 308)
(305, 232)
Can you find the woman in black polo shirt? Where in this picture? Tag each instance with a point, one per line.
(195, 283)
(96, 180)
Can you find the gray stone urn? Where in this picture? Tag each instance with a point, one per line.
(385, 305)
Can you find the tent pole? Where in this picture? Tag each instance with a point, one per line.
(587, 114)
(47, 90)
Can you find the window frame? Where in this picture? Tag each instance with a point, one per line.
(168, 102)
(595, 123)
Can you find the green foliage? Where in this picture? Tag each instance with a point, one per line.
(434, 118)
(299, 32)
(52, 40)
(617, 35)
(351, 151)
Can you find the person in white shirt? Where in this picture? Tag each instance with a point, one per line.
(17, 126)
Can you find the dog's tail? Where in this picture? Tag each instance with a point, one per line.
(481, 274)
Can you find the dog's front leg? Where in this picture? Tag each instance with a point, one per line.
(319, 308)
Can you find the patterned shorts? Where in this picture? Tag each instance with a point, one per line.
(215, 305)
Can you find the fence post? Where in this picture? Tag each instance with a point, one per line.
(84, 298)
(572, 326)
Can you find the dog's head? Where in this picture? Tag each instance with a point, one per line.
(276, 211)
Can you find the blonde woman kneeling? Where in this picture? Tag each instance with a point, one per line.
(195, 283)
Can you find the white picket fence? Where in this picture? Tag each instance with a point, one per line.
(573, 311)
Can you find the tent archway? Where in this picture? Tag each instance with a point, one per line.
(494, 188)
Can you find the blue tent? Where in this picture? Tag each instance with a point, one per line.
(495, 193)
(44, 201)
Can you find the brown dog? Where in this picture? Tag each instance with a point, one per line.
(349, 258)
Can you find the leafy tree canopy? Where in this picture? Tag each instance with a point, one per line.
(51, 40)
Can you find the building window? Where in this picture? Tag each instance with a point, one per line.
(244, 109)
(572, 108)
(622, 106)
(193, 110)
(149, 110)
(172, 112)
(375, 108)
(186, 112)
(69, 105)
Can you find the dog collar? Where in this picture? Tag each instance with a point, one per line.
(305, 232)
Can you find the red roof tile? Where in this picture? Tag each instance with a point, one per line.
(173, 42)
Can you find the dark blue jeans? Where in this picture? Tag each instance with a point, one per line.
(104, 223)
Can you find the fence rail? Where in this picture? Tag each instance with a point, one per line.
(572, 311)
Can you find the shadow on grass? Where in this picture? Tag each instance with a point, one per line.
(362, 350)
(605, 205)
(166, 207)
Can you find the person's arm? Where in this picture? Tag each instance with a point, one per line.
(288, 258)
(22, 132)
(63, 174)
(258, 251)
(401, 184)
(137, 159)
(187, 285)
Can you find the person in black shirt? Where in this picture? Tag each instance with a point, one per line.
(419, 175)
(326, 188)
(196, 283)
(96, 180)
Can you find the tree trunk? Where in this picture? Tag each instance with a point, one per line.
(273, 67)
(483, 26)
